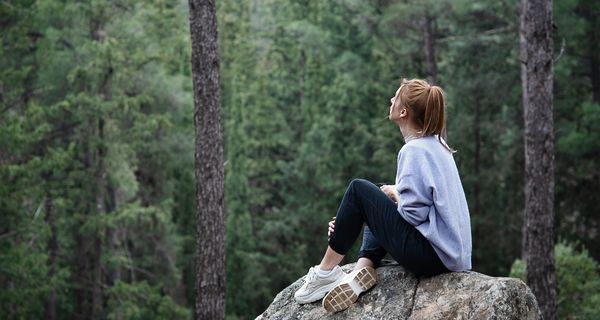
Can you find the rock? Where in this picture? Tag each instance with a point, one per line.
(472, 295)
(400, 295)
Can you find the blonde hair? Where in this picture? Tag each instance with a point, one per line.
(427, 104)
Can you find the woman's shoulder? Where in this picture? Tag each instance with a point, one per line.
(425, 152)
(418, 146)
(425, 145)
(415, 156)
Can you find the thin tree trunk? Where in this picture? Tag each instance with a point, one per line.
(82, 278)
(210, 213)
(50, 303)
(301, 93)
(97, 279)
(114, 274)
(429, 47)
(537, 76)
(88, 277)
(100, 187)
(594, 56)
(97, 34)
(586, 10)
(429, 38)
(477, 137)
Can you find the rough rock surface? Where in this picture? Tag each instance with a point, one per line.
(400, 295)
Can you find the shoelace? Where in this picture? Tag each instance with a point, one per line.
(311, 277)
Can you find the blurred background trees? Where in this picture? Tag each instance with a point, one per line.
(97, 140)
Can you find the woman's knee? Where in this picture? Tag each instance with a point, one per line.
(362, 187)
(359, 183)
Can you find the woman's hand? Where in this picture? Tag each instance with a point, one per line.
(331, 228)
(390, 191)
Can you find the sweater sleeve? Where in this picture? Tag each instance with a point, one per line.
(415, 199)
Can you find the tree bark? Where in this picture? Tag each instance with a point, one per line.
(429, 47)
(82, 276)
(100, 177)
(594, 59)
(50, 303)
(210, 213)
(537, 76)
(477, 137)
(114, 273)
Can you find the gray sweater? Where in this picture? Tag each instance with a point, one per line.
(433, 200)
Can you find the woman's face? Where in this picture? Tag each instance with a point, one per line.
(394, 114)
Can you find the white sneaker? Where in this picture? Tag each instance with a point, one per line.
(345, 294)
(315, 287)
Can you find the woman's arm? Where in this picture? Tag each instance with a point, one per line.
(417, 199)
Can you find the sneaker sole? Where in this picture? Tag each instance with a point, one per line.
(344, 295)
(317, 294)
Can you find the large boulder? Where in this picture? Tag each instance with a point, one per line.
(400, 295)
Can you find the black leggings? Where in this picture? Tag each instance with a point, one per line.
(386, 231)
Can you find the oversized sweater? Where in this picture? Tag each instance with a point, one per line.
(433, 200)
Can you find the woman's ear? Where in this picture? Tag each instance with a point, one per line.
(403, 112)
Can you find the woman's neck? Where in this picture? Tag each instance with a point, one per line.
(409, 133)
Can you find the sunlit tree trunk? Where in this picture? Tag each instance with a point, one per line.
(210, 213)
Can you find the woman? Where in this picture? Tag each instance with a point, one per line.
(422, 221)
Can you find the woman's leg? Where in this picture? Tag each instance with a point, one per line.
(363, 262)
(328, 275)
(330, 259)
(371, 252)
(363, 202)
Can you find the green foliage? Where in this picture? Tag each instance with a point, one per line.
(577, 279)
(94, 102)
(519, 270)
(96, 110)
(142, 301)
(26, 275)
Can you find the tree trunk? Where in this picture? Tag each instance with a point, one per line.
(210, 213)
(81, 277)
(100, 187)
(97, 279)
(114, 273)
(537, 76)
(594, 58)
(477, 137)
(429, 47)
(50, 303)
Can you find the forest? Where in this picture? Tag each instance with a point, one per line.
(97, 184)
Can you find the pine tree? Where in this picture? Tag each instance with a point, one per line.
(537, 78)
(210, 215)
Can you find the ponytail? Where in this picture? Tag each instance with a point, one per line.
(433, 122)
(427, 104)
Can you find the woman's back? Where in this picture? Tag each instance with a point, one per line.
(433, 200)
